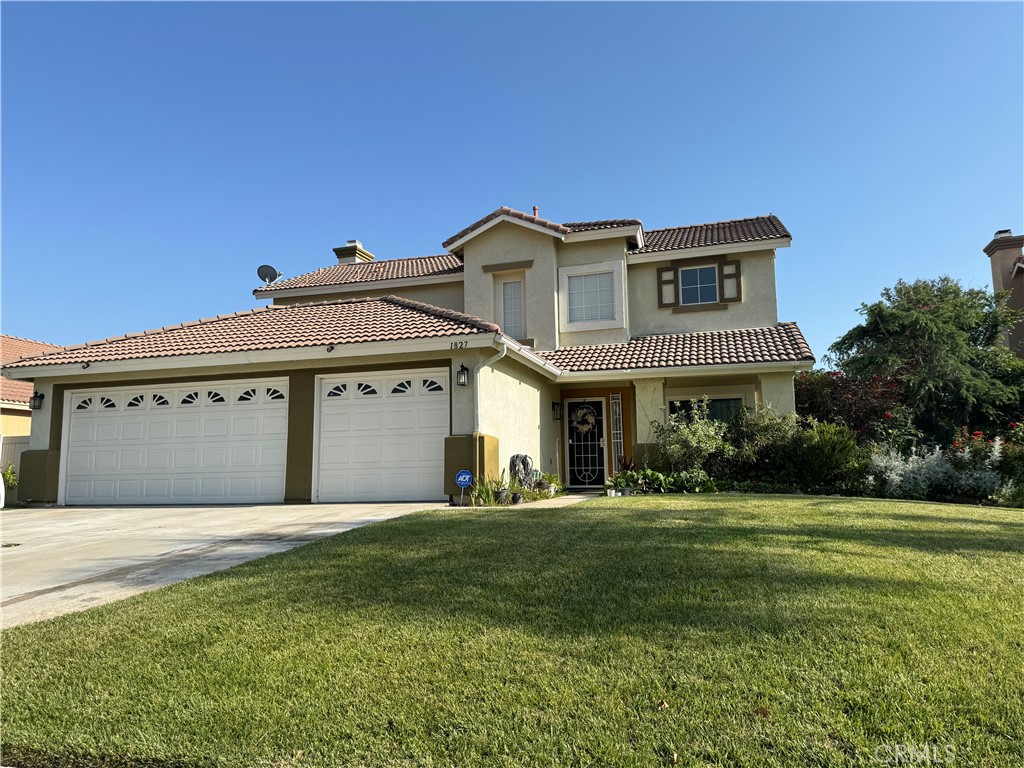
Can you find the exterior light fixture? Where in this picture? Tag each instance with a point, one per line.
(556, 410)
(36, 401)
(462, 376)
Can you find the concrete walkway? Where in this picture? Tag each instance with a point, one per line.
(71, 558)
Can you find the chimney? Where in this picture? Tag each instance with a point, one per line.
(1006, 254)
(352, 253)
(536, 211)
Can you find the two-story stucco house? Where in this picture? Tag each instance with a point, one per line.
(380, 379)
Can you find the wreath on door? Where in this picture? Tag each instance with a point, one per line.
(583, 419)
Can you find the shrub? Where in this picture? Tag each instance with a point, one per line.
(872, 406)
(766, 446)
(925, 475)
(831, 460)
(10, 477)
(689, 440)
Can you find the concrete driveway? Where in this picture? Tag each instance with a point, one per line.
(72, 558)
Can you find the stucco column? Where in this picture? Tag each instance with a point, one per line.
(776, 392)
(650, 406)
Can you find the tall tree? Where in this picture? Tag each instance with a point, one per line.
(943, 343)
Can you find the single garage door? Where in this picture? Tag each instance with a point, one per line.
(380, 436)
(203, 443)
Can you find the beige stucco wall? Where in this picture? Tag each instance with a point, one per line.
(596, 252)
(15, 423)
(776, 392)
(650, 406)
(448, 295)
(508, 243)
(516, 408)
(758, 308)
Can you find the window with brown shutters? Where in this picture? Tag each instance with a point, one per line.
(729, 285)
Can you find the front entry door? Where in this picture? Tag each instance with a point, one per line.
(585, 443)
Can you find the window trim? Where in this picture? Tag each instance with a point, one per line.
(619, 318)
(697, 268)
(669, 277)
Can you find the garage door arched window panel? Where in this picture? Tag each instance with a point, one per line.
(273, 393)
(368, 389)
(338, 390)
(432, 385)
(107, 402)
(136, 402)
(83, 403)
(160, 400)
(214, 397)
(403, 387)
(191, 398)
(247, 396)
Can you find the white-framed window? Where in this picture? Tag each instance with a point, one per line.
(512, 309)
(590, 297)
(698, 285)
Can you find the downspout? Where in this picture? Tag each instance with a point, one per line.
(476, 399)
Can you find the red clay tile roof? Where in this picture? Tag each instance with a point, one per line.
(561, 229)
(371, 271)
(586, 226)
(349, 321)
(14, 348)
(714, 233)
(775, 344)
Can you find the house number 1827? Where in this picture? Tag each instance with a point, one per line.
(460, 344)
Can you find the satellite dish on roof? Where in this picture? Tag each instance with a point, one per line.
(268, 274)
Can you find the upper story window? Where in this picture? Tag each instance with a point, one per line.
(698, 285)
(512, 308)
(685, 286)
(591, 297)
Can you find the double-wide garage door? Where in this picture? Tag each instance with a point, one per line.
(210, 442)
(377, 437)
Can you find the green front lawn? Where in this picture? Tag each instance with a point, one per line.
(725, 630)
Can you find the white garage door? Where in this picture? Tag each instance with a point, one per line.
(202, 443)
(380, 436)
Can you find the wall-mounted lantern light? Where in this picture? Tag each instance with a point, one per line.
(462, 376)
(36, 401)
(556, 411)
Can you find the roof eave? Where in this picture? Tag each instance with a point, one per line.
(477, 339)
(746, 246)
(317, 290)
(634, 231)
(457, 245)
(785, 366)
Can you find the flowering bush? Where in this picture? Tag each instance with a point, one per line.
(975, 461)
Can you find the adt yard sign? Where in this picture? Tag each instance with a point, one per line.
(464, 478)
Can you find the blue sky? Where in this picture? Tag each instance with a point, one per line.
(155, 154)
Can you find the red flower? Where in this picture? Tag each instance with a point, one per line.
(1013, 425)
(888, 415)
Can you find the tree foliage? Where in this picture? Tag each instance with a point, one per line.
(941, 341)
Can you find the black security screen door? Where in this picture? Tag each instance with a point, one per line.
(585, 438)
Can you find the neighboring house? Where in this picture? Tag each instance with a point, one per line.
(15, 415)
(1006, 256)
(379, 380)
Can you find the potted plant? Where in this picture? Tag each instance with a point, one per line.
(501, 489)
(516, 490)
